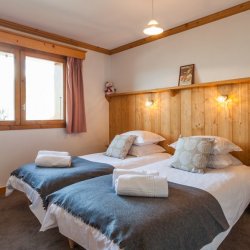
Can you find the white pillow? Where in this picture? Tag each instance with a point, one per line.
(223, 161)
(221, 145)
(145, 150)
(145, 137)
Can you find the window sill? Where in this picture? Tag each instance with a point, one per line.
(31, 126)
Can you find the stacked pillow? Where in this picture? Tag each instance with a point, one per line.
(145, 143)
(195, 153)
(223, 161)
(137, 143)
(145, 137)
(144, 150)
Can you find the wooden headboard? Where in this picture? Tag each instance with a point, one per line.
(189, 110)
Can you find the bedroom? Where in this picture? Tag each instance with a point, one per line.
(217, 45)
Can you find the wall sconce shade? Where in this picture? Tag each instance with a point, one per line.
(149, 103)
(222, 99)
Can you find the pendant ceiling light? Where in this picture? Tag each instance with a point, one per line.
(153, 26)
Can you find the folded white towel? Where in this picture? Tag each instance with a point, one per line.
(142, 185)
(47, 152)
(53, 161)
(118, 172)
(155, 173)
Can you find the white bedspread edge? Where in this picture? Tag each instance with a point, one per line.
(36, 205)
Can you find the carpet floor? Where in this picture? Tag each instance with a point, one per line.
(19, 229)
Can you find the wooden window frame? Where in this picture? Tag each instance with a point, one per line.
(20, 121)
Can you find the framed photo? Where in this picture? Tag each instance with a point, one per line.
(186, 76)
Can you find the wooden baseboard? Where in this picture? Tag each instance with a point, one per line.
(2, 191)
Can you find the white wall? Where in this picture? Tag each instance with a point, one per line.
(20, 146)
(219, 50)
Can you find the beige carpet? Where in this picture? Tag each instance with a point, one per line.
(239, 237)
(19, 229)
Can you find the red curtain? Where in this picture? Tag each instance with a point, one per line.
(76, 120)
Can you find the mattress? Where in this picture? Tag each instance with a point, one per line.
(35, 199)
(230, 186)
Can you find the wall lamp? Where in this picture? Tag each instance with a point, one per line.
(222, 99)
(149, 103)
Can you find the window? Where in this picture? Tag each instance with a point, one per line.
(7, 86)
(32, 89)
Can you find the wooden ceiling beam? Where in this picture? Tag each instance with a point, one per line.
(12, 38)
(51, 36)
(187, 26)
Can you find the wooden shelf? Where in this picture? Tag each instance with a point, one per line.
(175, 89)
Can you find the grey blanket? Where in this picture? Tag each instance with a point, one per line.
(48, 180)
(188, 219)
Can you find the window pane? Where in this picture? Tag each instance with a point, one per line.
(7, 86)
(44, 89)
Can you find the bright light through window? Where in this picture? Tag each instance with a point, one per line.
(32, 89)
(7, 86)
(44, 89)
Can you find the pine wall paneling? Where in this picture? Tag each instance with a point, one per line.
(191, 111)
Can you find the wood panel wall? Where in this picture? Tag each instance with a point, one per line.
(193, 111)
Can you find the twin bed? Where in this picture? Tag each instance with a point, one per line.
(37, 182)
(198, 214)
(230, 187)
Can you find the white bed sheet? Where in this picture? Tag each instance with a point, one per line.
(129, 162)
(230, 186)
(36, 202)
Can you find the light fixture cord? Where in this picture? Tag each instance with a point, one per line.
(152, 9)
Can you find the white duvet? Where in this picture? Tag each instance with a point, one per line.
(230, 186)
(36, 202)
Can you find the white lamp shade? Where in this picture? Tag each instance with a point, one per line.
(153, 22)
(153, 28)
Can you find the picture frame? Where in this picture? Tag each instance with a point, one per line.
(186, 76)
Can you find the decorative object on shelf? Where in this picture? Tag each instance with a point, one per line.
(153, 26)
(186, 76)
(109, 88)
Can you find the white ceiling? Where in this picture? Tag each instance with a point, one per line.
(106, 23)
